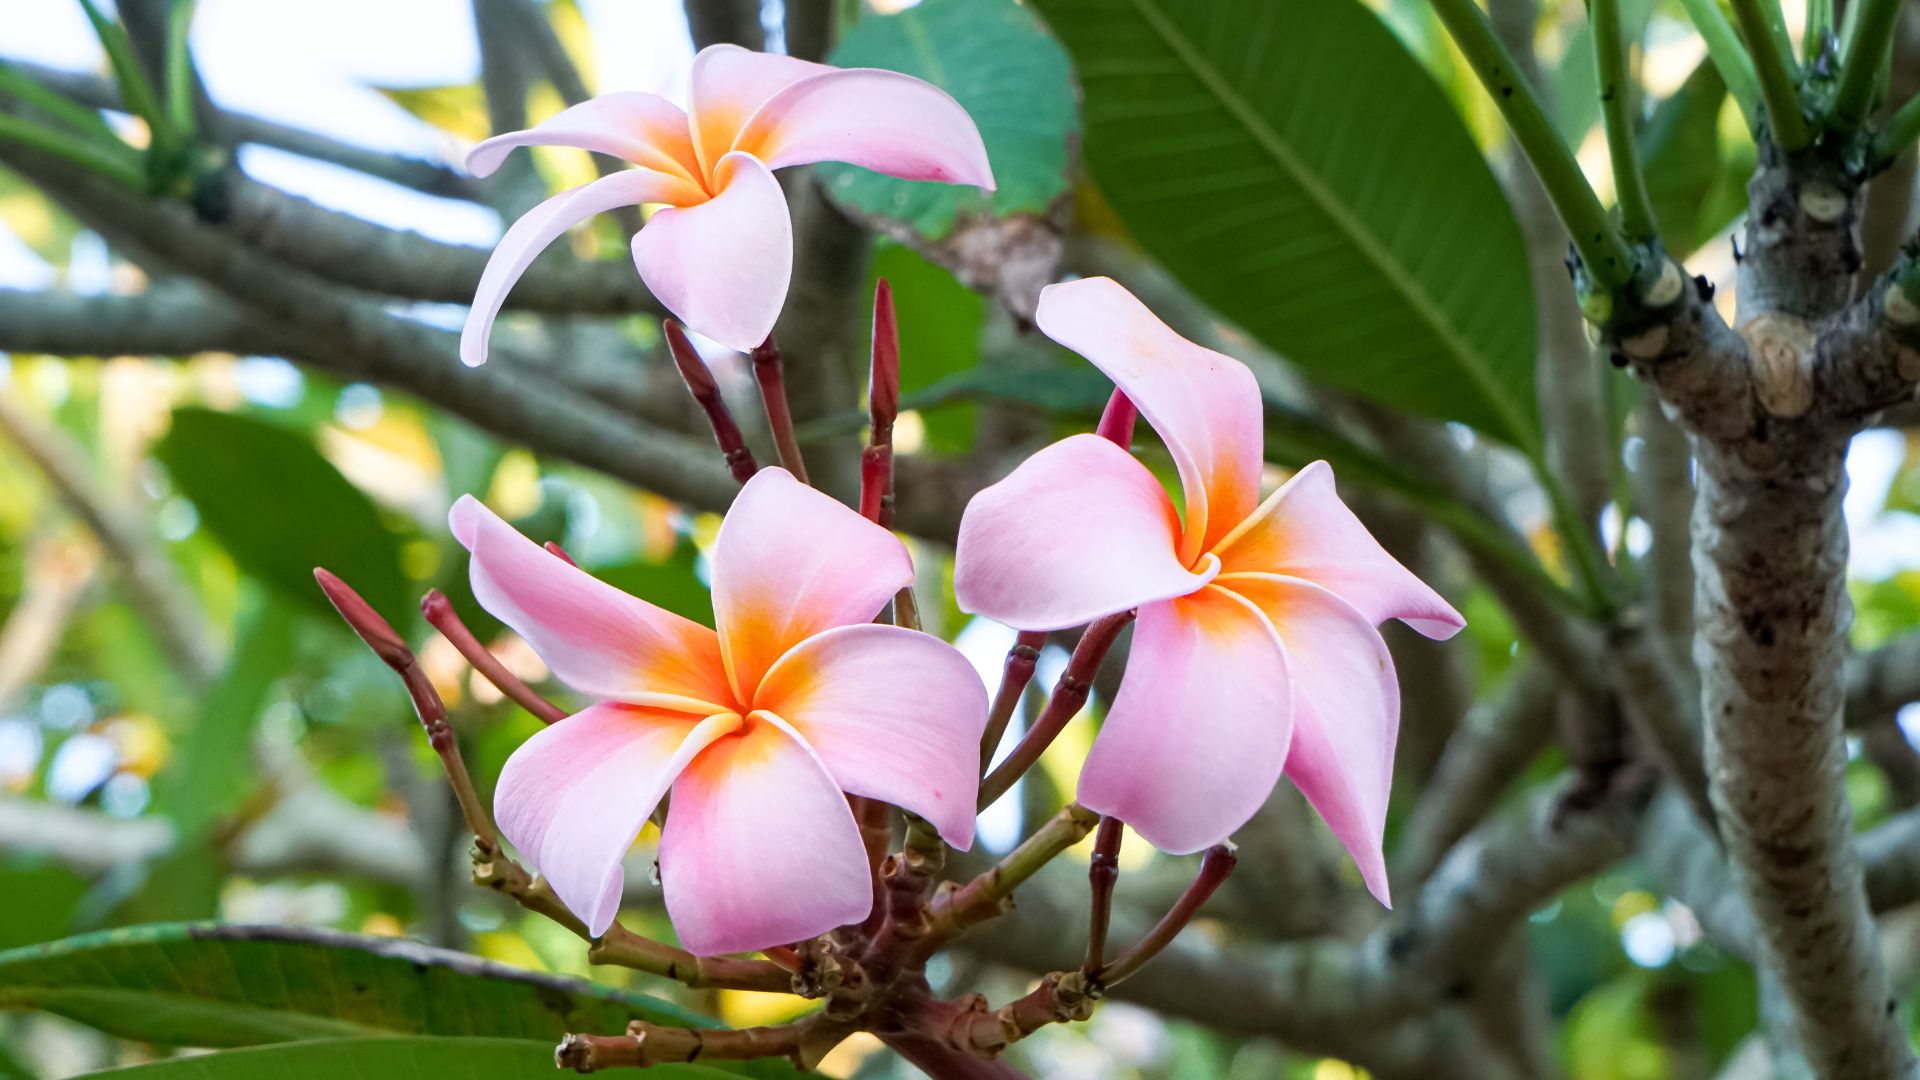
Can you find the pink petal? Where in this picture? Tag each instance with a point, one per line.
(544, 224)
(1198, 733)
(760, 848)
(1346, 711)
(574, 796)
(789, 563)
(645, 129)
(1078, 531)
(597, 639)
(881, 120)
(894, 714)
(1205, 406)
(723, 266)
(1303, 530)
(729, 85)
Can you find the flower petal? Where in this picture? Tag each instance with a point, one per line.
(541, 226)
(574, 796)
(1198, 733)
(1303, 530)
(1346, 710)
(1205, 406)
(729, 85)
(789, 563)
(880, 120)
(597, 639)
(645, 129)
(760, 848)
(723, 266)
(1078, 531)
(894, 714)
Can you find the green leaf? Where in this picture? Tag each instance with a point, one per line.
(1686, 168)
(202, 984)
(384, 1059)
(37, 901)
(672, 583)
(281, 509)
(212, 773)
(940, 321)
(1301, 174)
(1009, 76)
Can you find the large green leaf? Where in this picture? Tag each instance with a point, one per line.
(1697, 185)
(281, 509)
(384, 1059)
(201, 984)
(1300, 173)
(1009, 76)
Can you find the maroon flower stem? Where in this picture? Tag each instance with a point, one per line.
(1062, 996)
(699, 380)
(560, 553)
(1116, 421)
(439, 611)
(883, 407)
(769, 374)
(1014, 678)
(388, 646)
(1103, 872)
(1214, 868)
(1068, 695)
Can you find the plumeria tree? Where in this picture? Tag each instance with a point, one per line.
(1325, 520)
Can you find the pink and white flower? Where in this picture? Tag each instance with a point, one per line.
(719, 255)
(1256, 649)
(760, 729)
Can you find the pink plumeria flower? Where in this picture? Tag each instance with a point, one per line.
(760, 729)
(720, 254)
(1256, 649)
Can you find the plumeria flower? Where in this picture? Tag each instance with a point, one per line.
(1256, 649)
(720, 253)
(760, 729)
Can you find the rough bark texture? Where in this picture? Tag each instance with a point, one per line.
(1770, 414)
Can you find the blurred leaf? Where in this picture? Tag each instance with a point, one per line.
(1574, 83)
(281, 509)
(37, 902)
(1303, 176)
(1680, 155)
(201, 984)
(940, 321)
(212, 771)
(1009, 76)
(383, 1059)
(673, 583)
(459, 110)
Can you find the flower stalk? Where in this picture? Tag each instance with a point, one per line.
(393, 651)
(769, 373)
(1069, 694)
(1021, 661)
(1860, 73)
(439, 612)
(1103, 873)
(1215, 866)
(699, 380)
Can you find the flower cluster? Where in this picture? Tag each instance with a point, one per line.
(780, 736)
